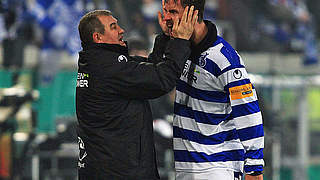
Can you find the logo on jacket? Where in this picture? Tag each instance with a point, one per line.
(237, 74)
(82, 153)
(83, 80)
(202, 60)
(122, 58)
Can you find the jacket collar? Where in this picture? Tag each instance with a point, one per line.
(206, 42)
(110, 47)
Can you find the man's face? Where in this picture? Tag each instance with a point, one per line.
(171, 10)
(113, 32)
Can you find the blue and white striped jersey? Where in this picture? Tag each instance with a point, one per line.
(217, 120)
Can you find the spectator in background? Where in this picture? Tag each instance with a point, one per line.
(130, 15)
(137, 47)
(149, 7)
(240, 15)
(314, 7)
(57, 22)
(211, 10)
(273, 25)
(305, 31)
(138, 30)
(217, 126)
(16, 31)
(2, 22)
(277, 26)
(294, 25)
(115, 123)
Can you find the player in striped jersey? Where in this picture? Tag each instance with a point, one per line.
(218, 132)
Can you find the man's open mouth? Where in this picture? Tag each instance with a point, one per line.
(121, 39)
(169, 24)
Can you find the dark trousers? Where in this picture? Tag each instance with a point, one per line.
(95, 173)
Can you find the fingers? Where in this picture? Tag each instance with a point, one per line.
(160, 20)
(163, 4)
(195, 17)
(162, 24)
(175, 23)
(185, 14)
(190, 14)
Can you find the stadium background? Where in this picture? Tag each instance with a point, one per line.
(277, 39)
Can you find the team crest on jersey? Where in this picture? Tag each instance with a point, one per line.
(202, 60)
(122, 58)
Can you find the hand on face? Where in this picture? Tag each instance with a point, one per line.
(163, 24)
(184, 28)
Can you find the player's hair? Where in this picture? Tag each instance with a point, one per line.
(198, 5)
(90, 23)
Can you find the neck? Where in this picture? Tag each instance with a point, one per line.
(200, 31)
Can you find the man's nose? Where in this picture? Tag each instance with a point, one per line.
(121, 30)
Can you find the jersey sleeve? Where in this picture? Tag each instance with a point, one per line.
(247, 116)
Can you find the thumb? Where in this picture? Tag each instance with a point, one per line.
(160, 20)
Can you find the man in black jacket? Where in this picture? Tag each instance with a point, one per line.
(115, 132)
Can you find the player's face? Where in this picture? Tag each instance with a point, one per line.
(171, 10)
(113, 33)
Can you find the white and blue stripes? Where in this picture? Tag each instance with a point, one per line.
(217, 121)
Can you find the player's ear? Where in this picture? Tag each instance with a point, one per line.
(96, 37)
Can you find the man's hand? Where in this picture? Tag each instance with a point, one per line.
(185, 27)
(162, 22)
(249, 177)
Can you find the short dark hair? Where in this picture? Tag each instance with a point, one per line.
(198, 5)
(90, 23)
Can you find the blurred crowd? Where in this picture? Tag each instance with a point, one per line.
(257, 25)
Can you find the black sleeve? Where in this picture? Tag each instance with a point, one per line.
(145, 80)
(159, 47)
(139, 59)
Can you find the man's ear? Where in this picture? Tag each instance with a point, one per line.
(96, 37)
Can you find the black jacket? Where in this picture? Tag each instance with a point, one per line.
(115, 120)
